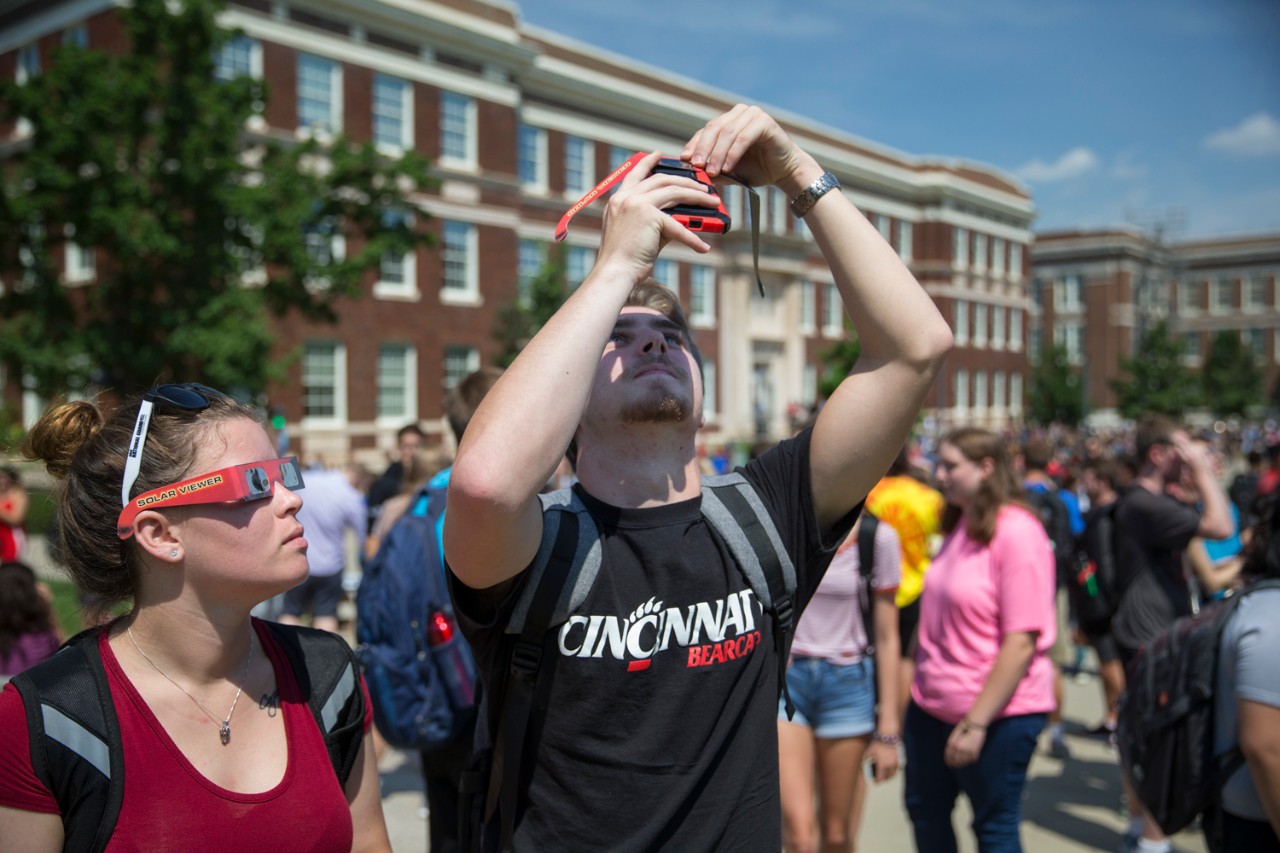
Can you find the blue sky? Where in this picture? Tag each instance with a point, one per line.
(1138, 111)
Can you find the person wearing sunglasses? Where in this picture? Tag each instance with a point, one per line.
(173, 510)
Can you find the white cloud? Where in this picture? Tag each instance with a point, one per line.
(1258, 135)
(1073, 164)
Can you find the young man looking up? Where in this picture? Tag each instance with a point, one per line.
(678, 749)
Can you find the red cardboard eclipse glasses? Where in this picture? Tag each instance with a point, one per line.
(248, 482)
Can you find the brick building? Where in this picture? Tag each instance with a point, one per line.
(1096, 292)
(519, 122)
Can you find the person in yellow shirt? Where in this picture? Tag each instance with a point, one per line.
(914, 510)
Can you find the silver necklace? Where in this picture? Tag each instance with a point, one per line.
(224, 727)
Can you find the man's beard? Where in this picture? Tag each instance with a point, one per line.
(659, 408)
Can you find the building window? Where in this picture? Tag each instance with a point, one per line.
(77, 37)
(397, 383)
(1253, 293)
(1189, 297)
(1071, 336)
(980, 389)
(960, 389)
(778, 209)
(1068, 295)
(319, 95)
(979, 252)
(392, 113)
(732, 196)
(998, 313)
(667, 273)
(1015, 261)
(979, 325)
(531, 256)
(397, 271)
(533, 157)
(1223, 297)
(579, 165)
(239, 56)
(709, 389)
(959, 247)
(1191, 353)
(457, 130)
(617, 156)
(325, 246)
(832, 311)
(578, 263)
(1255, 341)
(1015, 329)
(324, 374)
(1015, 392)
(904, 241)
(809, 385)
(808, 310)
(702, 296)
(883, 224)
(81, 263)
(461, 262)
(458, 362)
(1034, 344)
(997, 256)
(28, 63)
(997, 390)
(960, 322)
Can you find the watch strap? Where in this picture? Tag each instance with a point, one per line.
(825, 183)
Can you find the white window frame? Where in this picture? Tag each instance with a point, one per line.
(453, 125)
(998, 313)
(579, 157)
(1068, 294)
(405, 357)
(960, 390)
(531, 257)
(1191, 349)
(578, 261)
(808, 308)
(702, 296)
(1253, 338)
(337, 250)
(1035, 344)
(537, 139)
(1071, 336)
(959, 247)
(1253, 294)
(252, 58)
(460, 247)
(1015, 329)
(1217, 288)
(402, 104)
(997, 257)
(779, 208)
(667, 273)
(980, 398)
(469, 357)
(883, 224)
(960, 322)
(1188, 291)
(832, 311)
(997, 391)
(979, 252)
(1015, 261)
(333, 126)
(617, 156)
(1015, 392)
(339, 389)
(979, 325)
(905, 235)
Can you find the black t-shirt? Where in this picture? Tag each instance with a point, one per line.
(1151, 532)
(664, 688)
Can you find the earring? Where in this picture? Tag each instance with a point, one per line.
(173, 553)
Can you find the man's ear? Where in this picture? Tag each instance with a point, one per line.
(157, 536)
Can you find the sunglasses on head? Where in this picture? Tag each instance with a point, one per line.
(238, 483)
(188, 396)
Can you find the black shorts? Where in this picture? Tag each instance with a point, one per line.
(319, 594)
(908, 624)
(1103, 642)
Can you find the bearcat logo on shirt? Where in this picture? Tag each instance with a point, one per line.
(711, 631)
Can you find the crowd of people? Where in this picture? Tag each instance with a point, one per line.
(735, 655)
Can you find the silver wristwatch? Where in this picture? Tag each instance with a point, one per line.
(824, 184)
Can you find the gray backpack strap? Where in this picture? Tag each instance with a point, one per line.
(586, 559)
(734, 509)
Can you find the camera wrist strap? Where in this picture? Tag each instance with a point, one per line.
(753, 205)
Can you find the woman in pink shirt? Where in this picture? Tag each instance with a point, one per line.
(983, 682)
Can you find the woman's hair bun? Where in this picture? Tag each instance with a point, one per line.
(61, 431)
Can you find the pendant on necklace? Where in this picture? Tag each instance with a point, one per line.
(225, 732)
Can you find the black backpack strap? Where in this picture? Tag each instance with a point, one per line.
(733, 508)
(866, 562)
(75, 740)
(327, 674)
(522, 680)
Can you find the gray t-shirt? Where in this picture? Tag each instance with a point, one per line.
(1248, 668)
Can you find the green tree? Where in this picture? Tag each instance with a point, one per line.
(518, 322)
(1155, 379)
(200, 228)
(838, 360)
(1055, 393)
(1230, 378)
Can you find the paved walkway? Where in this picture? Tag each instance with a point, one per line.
(1071, 806)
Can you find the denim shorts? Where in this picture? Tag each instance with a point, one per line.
(832, 699)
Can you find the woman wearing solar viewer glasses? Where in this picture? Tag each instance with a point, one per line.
(214, 731)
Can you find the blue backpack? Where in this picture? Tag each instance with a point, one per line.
(420, 671)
